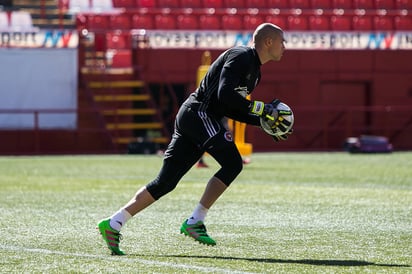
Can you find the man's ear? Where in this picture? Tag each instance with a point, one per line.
(268, 41)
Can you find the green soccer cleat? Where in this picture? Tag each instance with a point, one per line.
(111, 236)
(198, 232)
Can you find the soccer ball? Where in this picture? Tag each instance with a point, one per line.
(280, 126)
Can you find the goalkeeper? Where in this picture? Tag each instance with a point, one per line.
(199, 128)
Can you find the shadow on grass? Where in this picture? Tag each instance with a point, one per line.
(291, 261)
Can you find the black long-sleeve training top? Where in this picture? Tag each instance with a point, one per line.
(223, 90)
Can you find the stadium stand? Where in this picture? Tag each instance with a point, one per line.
(76, 6)
(297, 23)
(384, 4)
(341, 4)
(279, 4)
(404, 4)
(363, 4)
(111, 51)
(232, 22)
(278, 20)
(321, 4)
(403, 23)
(299, 4)
(120, 21)
(124, 3)
(4, 20)
(384, 23)
(145, 3)
(257, 4)
(165, 22)
(211, 22)
(296, 15)
(341, 23)
(102, 5)
(213, 4)
(319, 23)
(187, 22)
(142, 21)
(168, 3)
(362, 23)
(193, 4)
(21, 21)
(237, 4)
(250, 22)
(97, 22)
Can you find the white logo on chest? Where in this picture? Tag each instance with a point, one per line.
(242, 91)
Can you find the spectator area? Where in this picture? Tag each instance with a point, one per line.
(323, 15)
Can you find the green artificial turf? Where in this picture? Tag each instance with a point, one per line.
(285, 213)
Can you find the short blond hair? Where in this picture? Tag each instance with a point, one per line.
(266, 30)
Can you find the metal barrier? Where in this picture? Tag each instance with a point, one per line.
(316, 128)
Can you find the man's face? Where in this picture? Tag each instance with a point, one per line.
(276, 47)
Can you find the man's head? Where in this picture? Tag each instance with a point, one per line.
(269, 42)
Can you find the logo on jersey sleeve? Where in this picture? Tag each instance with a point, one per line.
(228, 136)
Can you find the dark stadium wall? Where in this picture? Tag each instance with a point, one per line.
(349, 80)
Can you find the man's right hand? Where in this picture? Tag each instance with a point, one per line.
(263, 110)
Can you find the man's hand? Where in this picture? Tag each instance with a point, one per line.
(263, 110)
(283, 137)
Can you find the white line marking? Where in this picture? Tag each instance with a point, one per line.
(123, 258)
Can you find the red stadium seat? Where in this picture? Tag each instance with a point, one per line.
(278, 20)
(62, 4)
(383, 23)
(210, 22)
(116, 41)
(237, 4)
(165, 21)
(168, 3)
(404, 4)
(299, 4)
(278, 4)
(403, 22)
(232, 22)
(319, 23)
(341, 4)
(363, 4)
(187, 22)
(258, 4)
(297, 23)
(341, 23)
(213, 4)
(124, 3)
(121, 59)
(250, 22)
(98, 22)
(145, 3)
(321, 4)
(120, 21)
(384, 4)
(142, 21)
(191, 3)
(362, 23)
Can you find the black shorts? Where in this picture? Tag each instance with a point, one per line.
(196, 133)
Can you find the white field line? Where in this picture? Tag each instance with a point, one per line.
(122, 258)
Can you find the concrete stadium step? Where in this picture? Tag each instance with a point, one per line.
(128, 140)
(130, 126)
(121, 97)
(116, 84)
(139, 111)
